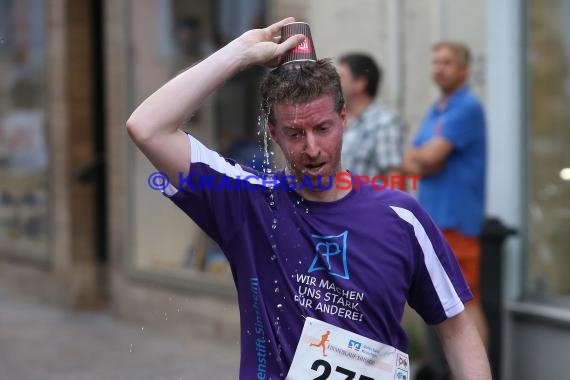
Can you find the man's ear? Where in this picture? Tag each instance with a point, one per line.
(343, 117)
(361, 83)
(272, 131)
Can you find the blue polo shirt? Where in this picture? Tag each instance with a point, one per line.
(455, 196)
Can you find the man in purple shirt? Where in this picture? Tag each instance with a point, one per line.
(310, 258)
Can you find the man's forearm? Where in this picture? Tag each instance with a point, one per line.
(417, 161)
(464, 349)
(175, 102)
(410, 164)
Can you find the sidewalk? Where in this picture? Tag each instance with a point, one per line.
(40, 342)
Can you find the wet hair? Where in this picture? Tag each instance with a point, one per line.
(364, 66)
(300, 82)
(460, 50)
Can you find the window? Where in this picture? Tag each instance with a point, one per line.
(167, 36)
(23, 149)
(549, 143)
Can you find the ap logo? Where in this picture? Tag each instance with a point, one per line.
(330, 255)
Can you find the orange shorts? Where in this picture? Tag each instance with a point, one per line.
(467, 251)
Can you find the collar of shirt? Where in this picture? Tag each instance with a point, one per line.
(442, 103)
(360, 118)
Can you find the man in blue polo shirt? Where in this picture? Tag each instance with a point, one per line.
(449, 152)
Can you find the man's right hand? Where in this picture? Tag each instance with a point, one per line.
(261, 47)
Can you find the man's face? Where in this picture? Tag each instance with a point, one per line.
(310, 136)
(447, 72)
(350, 85)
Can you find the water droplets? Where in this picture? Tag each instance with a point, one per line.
(131, 347)
(262, 122)
(271, 198)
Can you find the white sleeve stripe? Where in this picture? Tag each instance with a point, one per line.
(445, 290)
(201, 154)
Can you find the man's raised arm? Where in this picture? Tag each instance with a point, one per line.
(153, 126)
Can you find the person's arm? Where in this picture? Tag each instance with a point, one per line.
(463, 348)
(429, 158)
(463, 126)
(438, 292)
(153, 126)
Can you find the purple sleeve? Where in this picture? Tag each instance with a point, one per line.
(438, 289)
(214, 192)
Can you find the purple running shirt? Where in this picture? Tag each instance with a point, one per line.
(353, 263)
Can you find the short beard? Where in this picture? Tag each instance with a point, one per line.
(321, 183)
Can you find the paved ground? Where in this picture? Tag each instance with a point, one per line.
(41, 342)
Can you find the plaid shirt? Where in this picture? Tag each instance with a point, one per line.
(373, 142)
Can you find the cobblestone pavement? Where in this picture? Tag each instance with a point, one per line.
(42, 342)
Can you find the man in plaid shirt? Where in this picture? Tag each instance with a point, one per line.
(373, 139)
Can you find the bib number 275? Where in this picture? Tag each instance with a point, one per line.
(350, 375)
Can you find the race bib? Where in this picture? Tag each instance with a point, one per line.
(327, 352)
